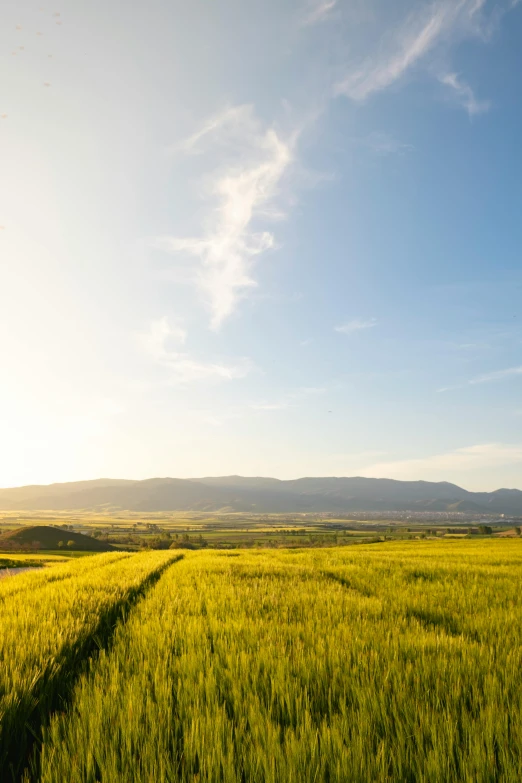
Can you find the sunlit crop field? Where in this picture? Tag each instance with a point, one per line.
(385, 662)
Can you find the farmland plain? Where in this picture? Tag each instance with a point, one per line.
(132, 532)
(397, 661)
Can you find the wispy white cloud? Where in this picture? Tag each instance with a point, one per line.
(490, 377)
(384, 144)
(292, 399)
(162, 342)
(318, 11)
(444, 389)
(245, 191)
(498, 375)
(409, 44)
(356, 325)
(464, 94)
(468, 458)
(232, 119)
(246, 188)
(160, 333)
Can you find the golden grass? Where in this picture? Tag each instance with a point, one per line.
(49, 620)
(392, 662)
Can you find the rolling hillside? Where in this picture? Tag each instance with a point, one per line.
(47, 537)
(260, 495)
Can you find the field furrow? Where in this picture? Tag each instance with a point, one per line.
(266, 668)
(50, 624)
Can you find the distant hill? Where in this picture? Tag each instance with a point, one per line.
(260, 495)
(47, 537)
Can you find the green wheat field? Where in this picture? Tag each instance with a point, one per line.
(397, 661)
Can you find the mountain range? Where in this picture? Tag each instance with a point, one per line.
(259, 495)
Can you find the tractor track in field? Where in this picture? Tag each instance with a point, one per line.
(55, 690)
(347, 583)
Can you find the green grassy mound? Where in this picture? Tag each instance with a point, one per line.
(45, 537)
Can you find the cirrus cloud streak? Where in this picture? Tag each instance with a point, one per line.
(161, 343)
(245, 192)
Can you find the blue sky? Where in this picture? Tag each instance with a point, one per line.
(266, 238)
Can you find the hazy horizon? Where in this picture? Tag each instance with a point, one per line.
(277, 238)
(239, 475)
